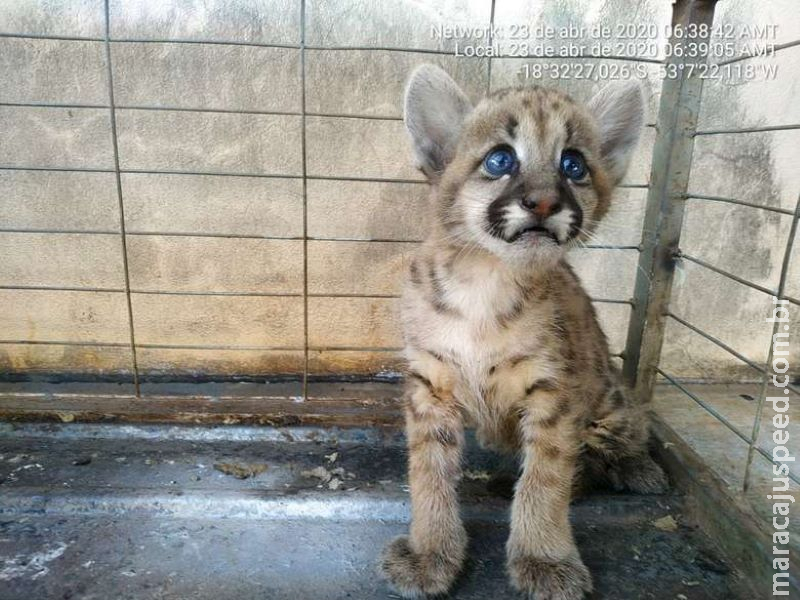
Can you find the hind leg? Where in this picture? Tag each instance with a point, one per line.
(616, 443)
(639, 474)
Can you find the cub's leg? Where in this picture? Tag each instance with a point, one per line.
(428, 560)
(543, 560)
(617, 447)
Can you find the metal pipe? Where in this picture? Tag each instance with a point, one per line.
(120, 201)
(762, 397)
(748, 129)
(702, 403)
(669, 179)
(723, 272)
(777, 209)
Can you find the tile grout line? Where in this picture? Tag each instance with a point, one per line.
(120, 202)
(304, 149)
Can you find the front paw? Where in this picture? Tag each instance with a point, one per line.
(548, 579)
(416, 575)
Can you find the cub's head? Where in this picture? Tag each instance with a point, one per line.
(528, 171)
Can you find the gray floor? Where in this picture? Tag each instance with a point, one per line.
(93, 511)
(725, 452)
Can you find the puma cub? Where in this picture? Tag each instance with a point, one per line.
(499, 332)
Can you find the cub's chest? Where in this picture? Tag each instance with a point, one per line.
(482, 344)
(477, 316)
(477, 322)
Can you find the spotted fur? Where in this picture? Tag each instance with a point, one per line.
(501, 336)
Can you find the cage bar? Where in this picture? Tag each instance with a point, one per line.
(762, 397)
(304, 152)
(669, 179)
(121, 202)
(748, 129)
(705, 405)
(727, 348)
(777, 209)
(719, 271)
(777, 47)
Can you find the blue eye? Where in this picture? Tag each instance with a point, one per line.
(573, 165)
(500, 161)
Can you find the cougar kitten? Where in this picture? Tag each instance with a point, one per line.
(499, 332)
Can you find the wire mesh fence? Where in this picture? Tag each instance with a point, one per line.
(296, 111)
(663, 255)
(306, 231)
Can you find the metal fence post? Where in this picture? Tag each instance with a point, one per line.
(669, 178)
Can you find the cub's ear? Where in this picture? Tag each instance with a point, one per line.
(435, 108)
(619, 111)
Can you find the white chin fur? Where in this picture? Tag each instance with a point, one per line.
(560, 223)
(520, 253)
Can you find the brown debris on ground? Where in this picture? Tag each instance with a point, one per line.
(241, 471)
(667, 523)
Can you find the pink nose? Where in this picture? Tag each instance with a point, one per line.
(541, 206)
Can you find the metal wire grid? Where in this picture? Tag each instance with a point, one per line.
(670, 208)
(751, 439)
(112, 106)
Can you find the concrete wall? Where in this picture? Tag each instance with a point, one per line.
(758, 167)
(257, 237)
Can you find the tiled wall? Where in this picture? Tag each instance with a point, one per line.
(248, 204)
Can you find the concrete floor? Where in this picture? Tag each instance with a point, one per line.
(724, 452)
(98, 512)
